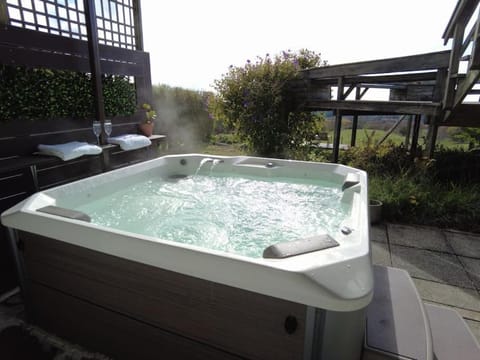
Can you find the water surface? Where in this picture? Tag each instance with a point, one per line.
(227, 213)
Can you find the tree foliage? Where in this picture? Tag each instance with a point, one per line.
(470, 136)
(253, 100)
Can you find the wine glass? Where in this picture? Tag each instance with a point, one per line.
(97, 130)
(107, 127)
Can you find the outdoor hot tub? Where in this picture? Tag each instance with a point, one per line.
(198, 256)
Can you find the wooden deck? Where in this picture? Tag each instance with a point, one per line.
(428, 86)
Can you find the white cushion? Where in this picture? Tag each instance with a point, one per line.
(70, 150)
(130, 141)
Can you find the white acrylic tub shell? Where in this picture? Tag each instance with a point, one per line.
(337, 279)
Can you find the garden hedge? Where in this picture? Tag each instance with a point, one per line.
(42, 94)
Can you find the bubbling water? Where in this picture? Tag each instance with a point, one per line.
(227, 213)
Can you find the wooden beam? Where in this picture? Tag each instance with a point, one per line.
(409, 130)
(14, 37)
(420, 62)
(383, 86)
(461, 14)
(454, 61)
(474, 63)
(391, 130)
(143, 83)
(52, 60)
(393, 107)
(465, 115)
(415, 135)
(349, 91)
(137, 18)
(440, 82)
(353, 139)
(94, 58)
(381, 79)
(432, 136)
(338, 122)
(465, 86)
(3, 12)
(468, 39)
(364, 91)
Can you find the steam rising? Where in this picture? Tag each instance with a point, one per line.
(182, 116)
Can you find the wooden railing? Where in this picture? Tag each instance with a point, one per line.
(464, 49)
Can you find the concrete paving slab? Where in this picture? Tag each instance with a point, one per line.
(378, 233)
(420, 237)
(468, 299)
(430, 265)
(475, 327)
(465, 244)
(472, 266)
(381, 254)
(464, 313)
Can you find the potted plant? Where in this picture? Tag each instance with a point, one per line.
(146, 126)
(375, 208)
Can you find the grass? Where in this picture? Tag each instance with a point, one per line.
(364, 134)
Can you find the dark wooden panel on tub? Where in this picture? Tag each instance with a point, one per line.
(113, 334)
(234, 320)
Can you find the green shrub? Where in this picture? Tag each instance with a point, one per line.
(443, 191)
(457, 166)
(42, 94)
(386, 159)
(407, 199)
(252, 100)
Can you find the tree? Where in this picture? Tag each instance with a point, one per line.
(466, 135)
(253, 100)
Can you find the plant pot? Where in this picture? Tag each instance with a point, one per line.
(146, 128)
(375, 210)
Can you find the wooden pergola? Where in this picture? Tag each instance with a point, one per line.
(72, 36)
(426, 85)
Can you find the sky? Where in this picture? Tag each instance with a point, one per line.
(193, 42)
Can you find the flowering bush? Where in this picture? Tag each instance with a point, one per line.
(253, 100)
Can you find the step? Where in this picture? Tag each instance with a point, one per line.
(452, 338)
(397, 323)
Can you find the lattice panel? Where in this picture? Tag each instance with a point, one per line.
(115, 19)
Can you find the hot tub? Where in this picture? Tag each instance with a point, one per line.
(132, 293)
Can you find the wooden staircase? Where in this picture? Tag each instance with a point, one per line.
(434, 86)
(400, 326)
(456, 112)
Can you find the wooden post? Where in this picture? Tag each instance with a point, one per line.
(416, 133)
(453, 66)
(137, 18)
(354, 130)
(94, 58)
(3, 12)
(408, 131)
(440, 84)
(432, 136)
(353, 139)
(338, 123)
